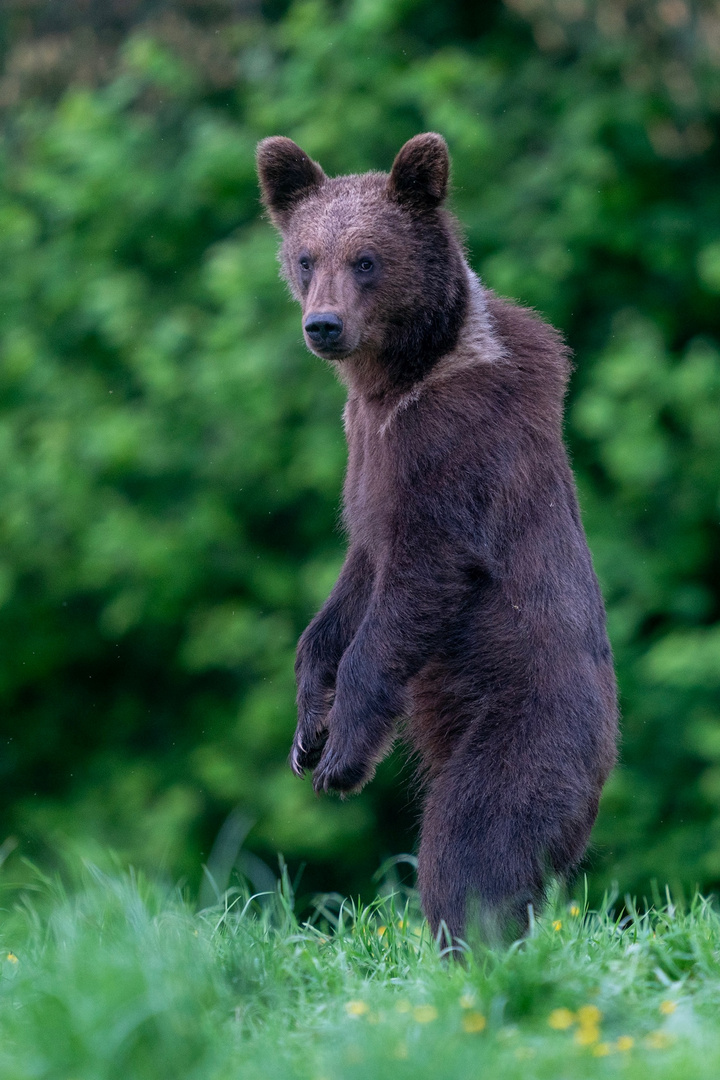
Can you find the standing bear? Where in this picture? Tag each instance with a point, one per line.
(467, 607)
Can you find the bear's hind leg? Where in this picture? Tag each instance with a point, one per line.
(494, 830)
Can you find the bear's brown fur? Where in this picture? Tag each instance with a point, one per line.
(467, 606)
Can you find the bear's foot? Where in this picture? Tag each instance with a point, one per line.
(342, 768)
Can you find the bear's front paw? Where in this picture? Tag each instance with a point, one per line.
(307, 748)
(342, 768)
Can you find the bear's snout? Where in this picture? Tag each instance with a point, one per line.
(323, 329)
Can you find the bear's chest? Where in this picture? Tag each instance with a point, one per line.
(371, 481)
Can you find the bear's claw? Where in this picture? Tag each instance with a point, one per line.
(337, 772)
(301, 758)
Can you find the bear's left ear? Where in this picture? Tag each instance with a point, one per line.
(287, 175)
(420, 172)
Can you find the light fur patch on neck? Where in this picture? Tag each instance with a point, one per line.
(477, 345)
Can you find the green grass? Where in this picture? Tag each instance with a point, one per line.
(122, 979)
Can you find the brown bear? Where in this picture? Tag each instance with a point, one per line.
(467, 607)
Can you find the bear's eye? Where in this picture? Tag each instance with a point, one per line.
(305, 263)
(365, 265)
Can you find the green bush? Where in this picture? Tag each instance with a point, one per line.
(171, 457)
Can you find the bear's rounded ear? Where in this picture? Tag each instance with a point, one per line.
(287, 175)
(420, 172)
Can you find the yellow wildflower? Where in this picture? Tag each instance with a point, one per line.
(667, 1008)
(588, 1018)
(381, 930)
(557, 925)
(589, 1015)
(356, 1008)
(473, 1022)
(587, 1035)
(424, 1014)
(12, 958)
(561, 1019)
(625, 1043)
(574, 911)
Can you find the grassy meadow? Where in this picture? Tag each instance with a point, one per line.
(121, 978)
(171, 456)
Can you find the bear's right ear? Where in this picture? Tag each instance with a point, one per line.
(420, 172)
(287, 175)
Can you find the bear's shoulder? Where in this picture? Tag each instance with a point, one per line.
(527, 340)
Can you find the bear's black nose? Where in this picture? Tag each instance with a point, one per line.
(323, 328)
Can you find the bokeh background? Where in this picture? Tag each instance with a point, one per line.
(171, 457)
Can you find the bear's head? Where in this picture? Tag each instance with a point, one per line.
(374, 259)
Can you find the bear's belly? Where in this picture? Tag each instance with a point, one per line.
(479, 694)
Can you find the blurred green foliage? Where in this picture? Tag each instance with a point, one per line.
(171, 457)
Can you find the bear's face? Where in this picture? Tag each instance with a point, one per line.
(352, 259)
(373, 261)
